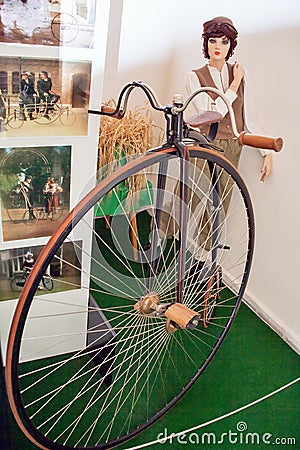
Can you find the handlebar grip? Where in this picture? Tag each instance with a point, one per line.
(265, 142)
(110, 110)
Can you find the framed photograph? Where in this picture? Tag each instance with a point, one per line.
(67, 23)
(63, 272)
(44, 97)
(35, 190)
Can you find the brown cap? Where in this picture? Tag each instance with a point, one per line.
(220, 24)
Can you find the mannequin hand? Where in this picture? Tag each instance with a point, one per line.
(238, 71)
(266, 167)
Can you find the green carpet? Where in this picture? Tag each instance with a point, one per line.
(252, 362)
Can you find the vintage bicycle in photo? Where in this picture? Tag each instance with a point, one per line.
(20, 207)
(165, 277)
(52, 210)
(41, 112)
(38, 23)
(18, 281)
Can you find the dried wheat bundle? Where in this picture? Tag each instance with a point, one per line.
(135, 133)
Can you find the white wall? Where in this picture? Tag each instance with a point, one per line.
(161, 41)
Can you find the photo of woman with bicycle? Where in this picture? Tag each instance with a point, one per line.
(35, 190)
(17, 263)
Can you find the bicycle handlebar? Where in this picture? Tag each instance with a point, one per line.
(112, 112)
(121, 106)
(258, 141)
(178, 106)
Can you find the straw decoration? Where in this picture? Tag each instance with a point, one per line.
(134, 134)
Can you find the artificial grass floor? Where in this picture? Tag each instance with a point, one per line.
(252, 362)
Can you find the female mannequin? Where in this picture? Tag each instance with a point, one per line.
(219, 42)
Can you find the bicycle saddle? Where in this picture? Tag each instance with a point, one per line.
(204, 118)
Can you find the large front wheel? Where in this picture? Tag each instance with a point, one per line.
(114, 350)
(18, 209)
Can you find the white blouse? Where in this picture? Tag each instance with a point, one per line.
(204, 102)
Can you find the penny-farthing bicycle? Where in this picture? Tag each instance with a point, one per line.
(160, 304)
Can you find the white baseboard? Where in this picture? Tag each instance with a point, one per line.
(267, 316)
(272, 321)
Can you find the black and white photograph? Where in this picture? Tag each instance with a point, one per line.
(67, 23)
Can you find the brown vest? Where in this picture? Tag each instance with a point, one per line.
(224, 129)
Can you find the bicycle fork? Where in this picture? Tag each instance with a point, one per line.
(177, 314)
(183, 216)
(174, 140)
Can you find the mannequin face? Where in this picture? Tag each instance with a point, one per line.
(218, 47)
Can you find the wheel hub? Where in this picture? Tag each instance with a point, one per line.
(148, 304)
(177, 314)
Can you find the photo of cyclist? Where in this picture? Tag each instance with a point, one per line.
(44, 87)
(28, 262)
(28, 97)
(3, 106)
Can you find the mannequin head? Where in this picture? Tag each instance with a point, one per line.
(219, 27)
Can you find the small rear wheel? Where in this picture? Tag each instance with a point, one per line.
(16, 119)
(64, 27)
(48, 282)
(67, 117)
(17, 282)
(40, 213)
